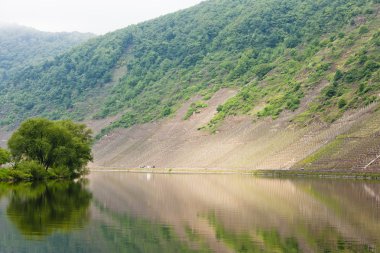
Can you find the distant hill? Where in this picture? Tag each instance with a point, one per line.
(22, 46)
(303, 65)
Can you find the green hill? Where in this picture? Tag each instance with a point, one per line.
(215, 44)
(22, 46)
(314, 60)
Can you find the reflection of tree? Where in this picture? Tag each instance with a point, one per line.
(4, 189)
(38, 210)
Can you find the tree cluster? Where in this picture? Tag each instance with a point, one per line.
(57, 145)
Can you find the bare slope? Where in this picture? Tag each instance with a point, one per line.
(240, 142)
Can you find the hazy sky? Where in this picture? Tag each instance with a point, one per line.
(96, 16)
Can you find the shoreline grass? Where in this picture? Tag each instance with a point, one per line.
(14, 175)
(366, 175)
(33, 174)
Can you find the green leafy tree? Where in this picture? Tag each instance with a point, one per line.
(54, 144)
(4, 156)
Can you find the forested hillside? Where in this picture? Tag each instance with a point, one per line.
(22, 46)
(274, 52)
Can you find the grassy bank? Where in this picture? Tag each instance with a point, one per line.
(15, 175)
(28, 171)
(370, 175)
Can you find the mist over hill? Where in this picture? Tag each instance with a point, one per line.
(22, 46)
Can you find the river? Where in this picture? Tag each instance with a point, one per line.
(130, 212)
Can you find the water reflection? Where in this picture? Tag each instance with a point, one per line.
(40, 209)
(246, 214)
(191, 213)
(135, 234)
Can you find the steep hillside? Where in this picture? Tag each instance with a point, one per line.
(22, 46)
(240, 84)
(239, 143)
(167, 60)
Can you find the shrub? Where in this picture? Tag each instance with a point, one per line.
(342, 103)
(32, 168)
(364, 29)
(194, 108)
(19, 175)
(60, 172)
(338, 75)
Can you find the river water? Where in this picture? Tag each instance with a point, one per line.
(127, 212)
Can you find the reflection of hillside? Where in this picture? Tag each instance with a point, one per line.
(317, 214)
(134, 234)
(258, 241)
(40, 209)
(354, 204)
(261, 240)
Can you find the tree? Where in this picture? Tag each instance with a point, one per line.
(53, 144)
(4, 156)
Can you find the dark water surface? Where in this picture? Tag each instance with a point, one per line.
(124, 212)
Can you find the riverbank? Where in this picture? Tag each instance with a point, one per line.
(30, 172)
(15, 175)
(370, 175)
(364, 175)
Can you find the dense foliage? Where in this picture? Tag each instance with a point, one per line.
(4, 156)
(61, 145)
(22, 46)
(52, 88)
(273, 51)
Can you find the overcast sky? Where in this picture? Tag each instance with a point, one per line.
(96, 16)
